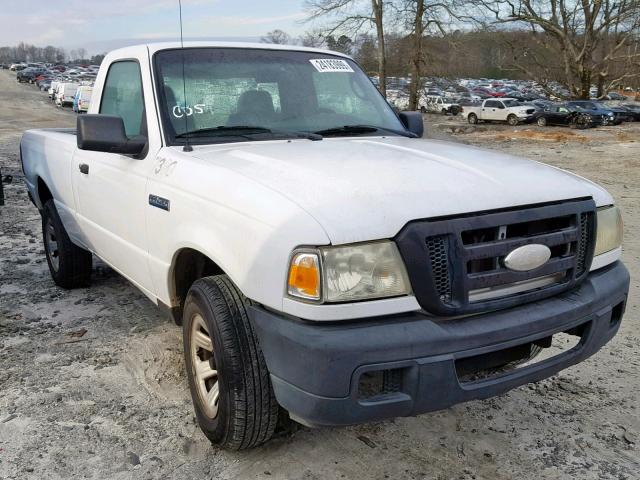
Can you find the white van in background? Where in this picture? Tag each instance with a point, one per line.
(65, 94)
(52, 90)
(82, 99)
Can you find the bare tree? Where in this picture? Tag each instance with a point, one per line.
(313, 38)
(82, 53)
(590, 38)
(349, 17)
(423, 17)
(277, 36)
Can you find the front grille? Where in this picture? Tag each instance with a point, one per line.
(583, 243)
(438, 248)
(456, 265)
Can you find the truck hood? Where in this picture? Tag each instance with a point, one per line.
(368, 188)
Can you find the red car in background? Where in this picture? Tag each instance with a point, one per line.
(482, 91)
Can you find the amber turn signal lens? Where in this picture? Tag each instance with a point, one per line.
(304, 276)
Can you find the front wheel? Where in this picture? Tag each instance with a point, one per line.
(512, 120)
(69, 265)
(542, 122)
(228, 377)
(472, 118)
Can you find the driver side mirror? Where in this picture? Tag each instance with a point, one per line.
(106, 133)
(413, 122)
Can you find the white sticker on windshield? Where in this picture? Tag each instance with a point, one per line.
(324, 65)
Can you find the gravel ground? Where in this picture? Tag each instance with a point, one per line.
(92, 383)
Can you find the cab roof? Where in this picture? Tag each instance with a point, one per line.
(158, 46)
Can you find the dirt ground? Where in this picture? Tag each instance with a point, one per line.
(92, 381)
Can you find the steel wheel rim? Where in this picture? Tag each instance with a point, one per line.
(51, 243)
(203, 366)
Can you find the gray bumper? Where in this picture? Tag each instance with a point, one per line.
(316, 368)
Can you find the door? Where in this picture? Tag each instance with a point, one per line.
(111, 188)
(561, 117)
(492, 110)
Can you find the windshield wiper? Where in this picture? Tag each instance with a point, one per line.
(361, 129)
(244, 131)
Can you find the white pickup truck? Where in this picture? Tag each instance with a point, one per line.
(327, 265)
(500, 110)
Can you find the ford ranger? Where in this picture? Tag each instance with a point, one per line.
(327, 264)
(500, 110)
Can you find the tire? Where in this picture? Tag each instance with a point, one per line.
(69, 265)
(542, 122)
(472, 119)
(243, 412)
(444, 112)
(512, 120)
(423, 109)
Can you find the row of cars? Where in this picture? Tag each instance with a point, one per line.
(574, 113)
(514, 103)
(66, 86)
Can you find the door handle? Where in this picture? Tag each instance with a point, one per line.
(84, 168)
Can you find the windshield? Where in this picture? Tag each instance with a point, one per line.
(277, 90)
(511, 103)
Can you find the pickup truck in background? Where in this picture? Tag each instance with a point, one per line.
(500, 110)
(326, 263)
(439, 104)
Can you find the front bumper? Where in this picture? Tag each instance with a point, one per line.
(316, 369)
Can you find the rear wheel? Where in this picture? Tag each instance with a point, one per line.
(512, 120)
(472, 118)
(69, 265)
(228, 377)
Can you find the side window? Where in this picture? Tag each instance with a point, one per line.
(122, 96)
(491, 104)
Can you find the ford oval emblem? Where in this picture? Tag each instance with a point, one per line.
(527, 257)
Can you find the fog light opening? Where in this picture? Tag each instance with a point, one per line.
(379, 382)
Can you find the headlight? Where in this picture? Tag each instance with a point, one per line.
(609, 235)
(351, 273)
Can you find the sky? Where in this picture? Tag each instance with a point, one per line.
(99, 25)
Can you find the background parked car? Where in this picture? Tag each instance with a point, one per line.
(615, 96)
(633, 110)
(563, 115)
(438, 104)
(605, 115)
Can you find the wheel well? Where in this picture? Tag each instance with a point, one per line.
(44, 194)
(189, 266)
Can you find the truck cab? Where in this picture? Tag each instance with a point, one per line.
(326, 263)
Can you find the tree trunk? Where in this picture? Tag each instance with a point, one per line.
(377, 6)
(416, 57)
(600, 84)
(585, 84)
